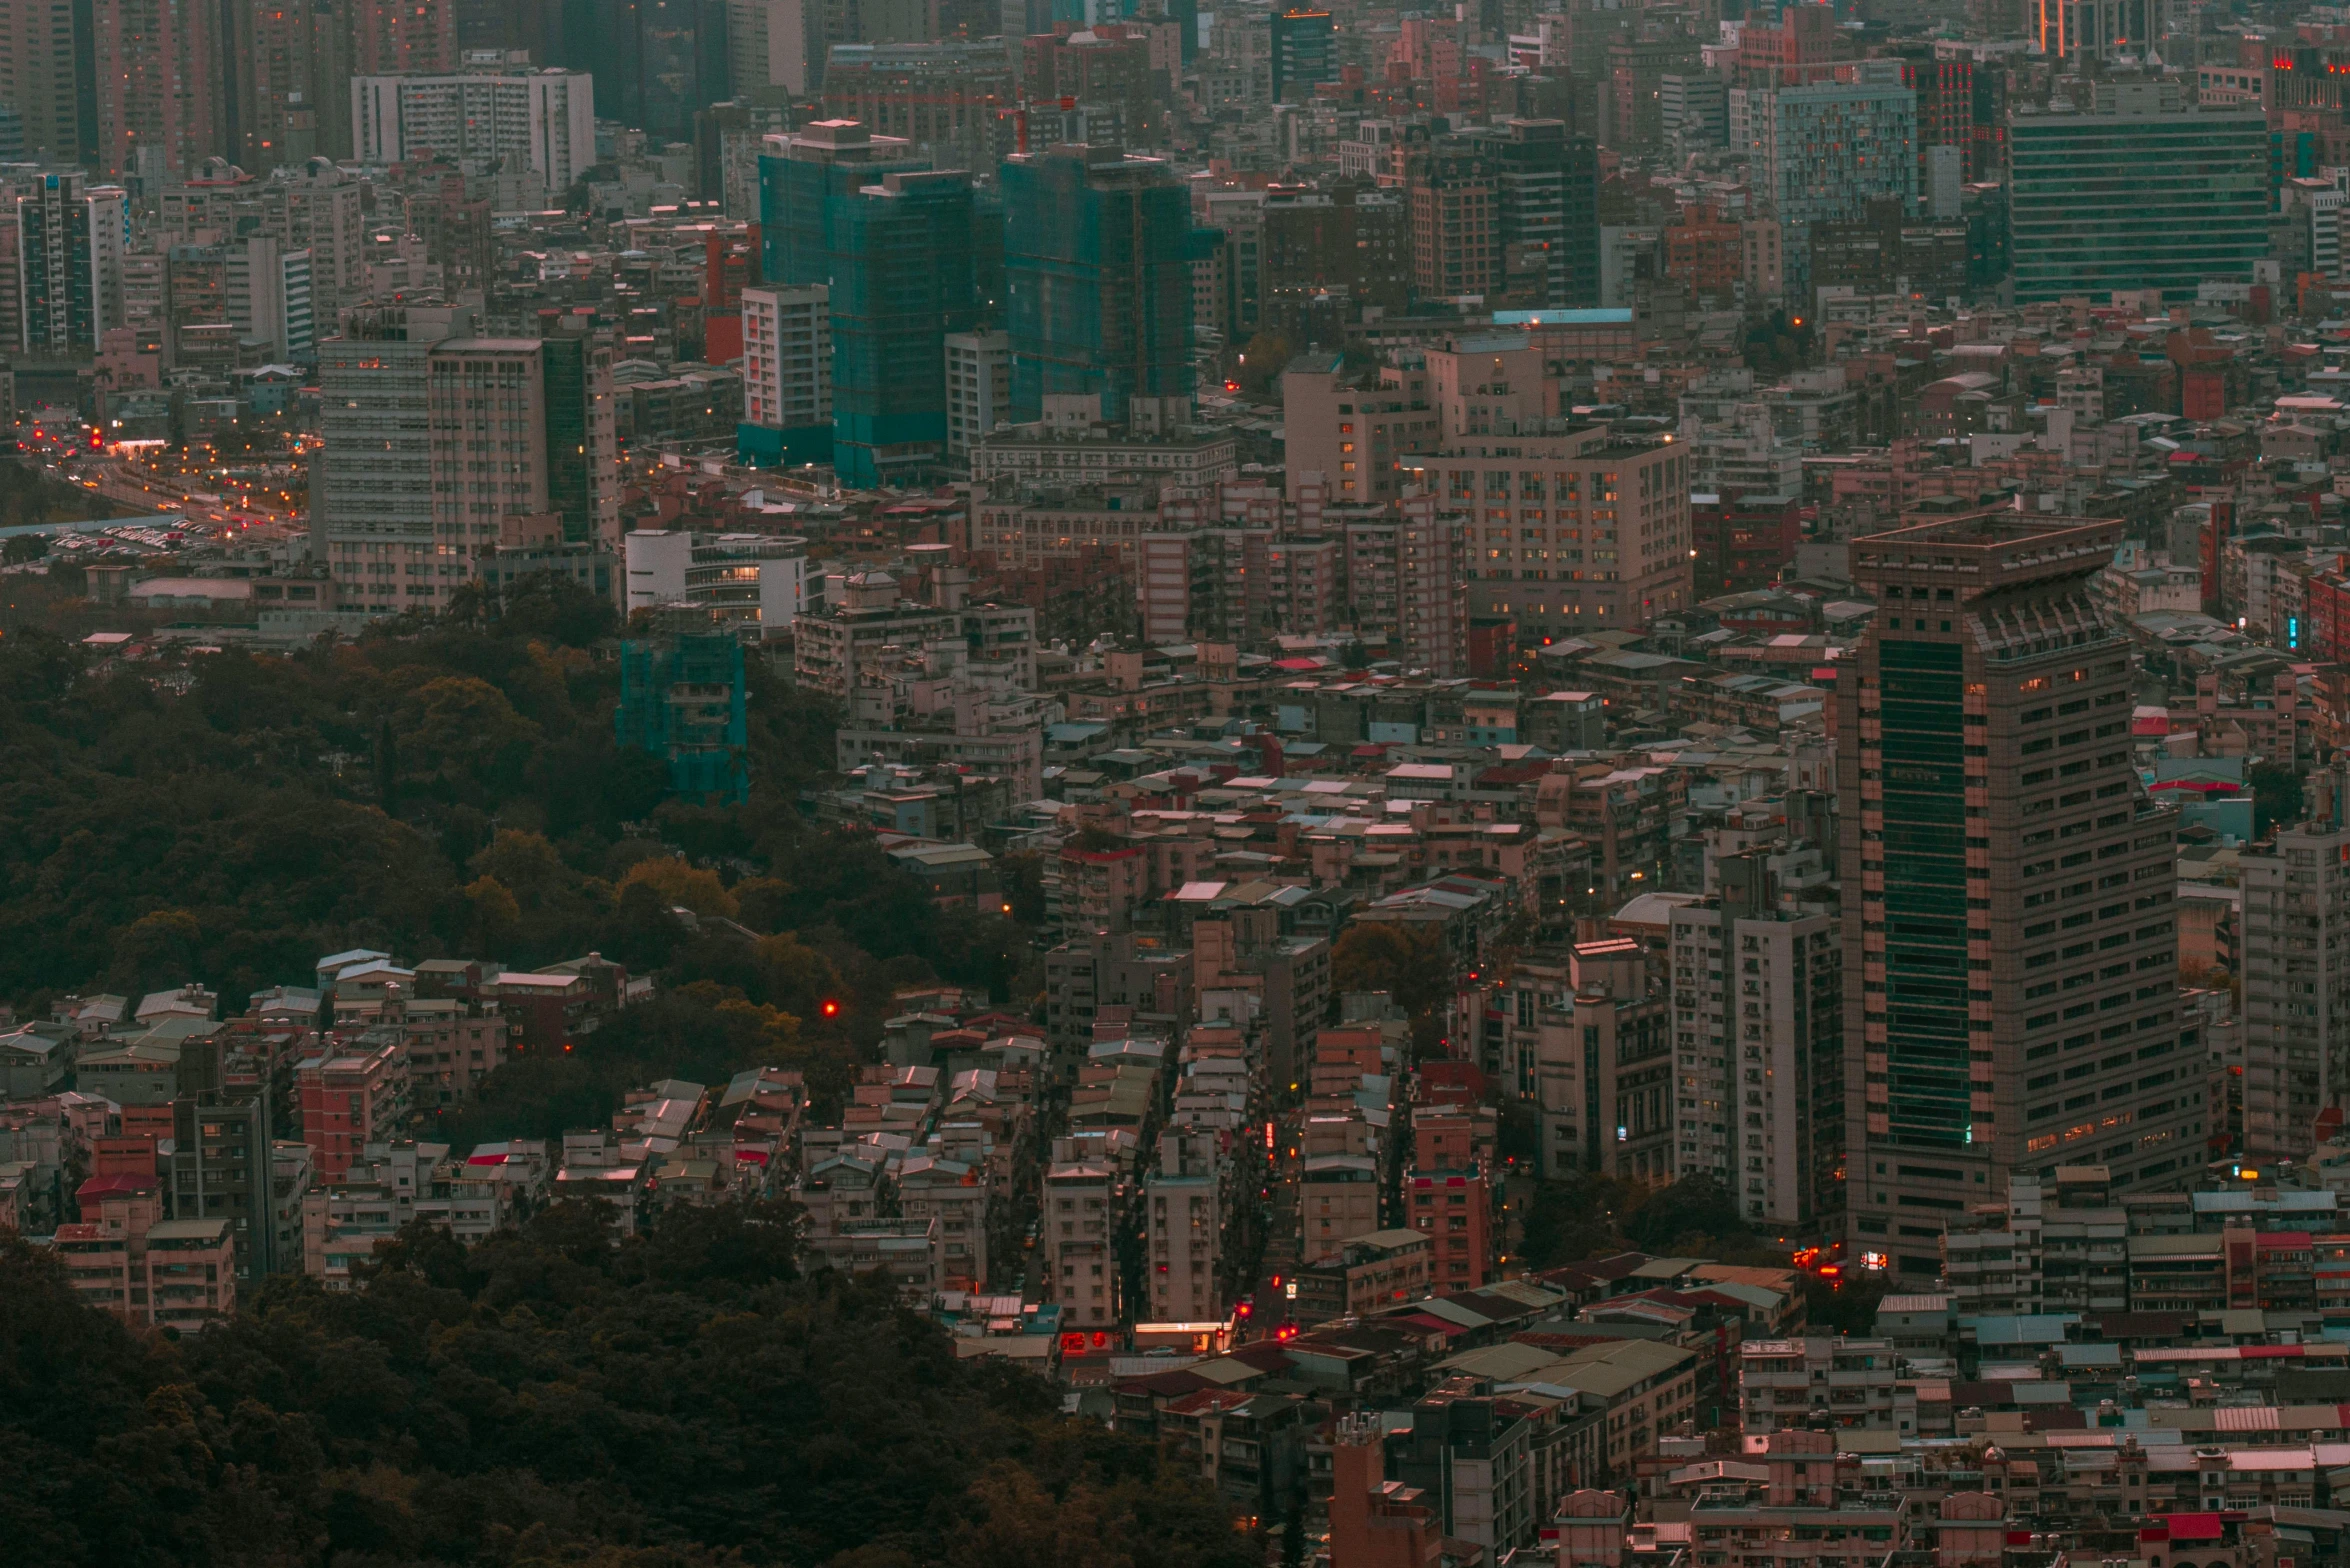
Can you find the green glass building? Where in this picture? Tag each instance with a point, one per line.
(1098, 248)
(895, 240)
(2136, 201)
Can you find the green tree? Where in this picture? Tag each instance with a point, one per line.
(1410, 963)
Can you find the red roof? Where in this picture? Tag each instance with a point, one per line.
(113, 1186)
(2193, 1527)
(1431, 1320)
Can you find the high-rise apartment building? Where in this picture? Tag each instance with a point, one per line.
(1183, 1215)
(315, 207)
(1758, 1034)
(274, 87)
(893, 241)
(371, 485)
(1825, 150)
(2160, 200)
(1603, 1067)
(69, 263)
(392, 37)
(523, 447)
(543, 121)
(1080, 1257)
(161, 79)
(1431, 584)
(2296, 979)
(1097, 262)
(2010, 963)
(44, 77)
(787, 375)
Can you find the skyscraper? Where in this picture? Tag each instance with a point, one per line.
(2159, 200)
(279, 97)
(2010, 964)
(892, 239)
(1549, 203)
(41, 64)
(1305, 51)
(69, 263)
(1097, 263)
(161, 79)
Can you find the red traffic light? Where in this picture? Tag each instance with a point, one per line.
(831, 1008)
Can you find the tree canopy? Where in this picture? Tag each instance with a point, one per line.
(683, 1398)
(452, 787)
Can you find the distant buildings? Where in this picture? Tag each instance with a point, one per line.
(2142, 197)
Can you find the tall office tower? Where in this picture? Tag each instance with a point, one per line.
(1548, 185)
(1946, 108)
(2154, 200)
(269, 297)
(161, 76)
(582, 429)
(69, 263)
(755, 30)
(1097, 262)
(1693, 111)
(2297, 979)
(543, 121)
(1305, 52)
(371, 495)
(1758, 1021)
(681, 64)
(656, 63)
(893, 241)
(787, 376)
(1184, 1224)
(2076, 30)
(2010, 967)
(1828, 149)
(391, 37)
(41, 64)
